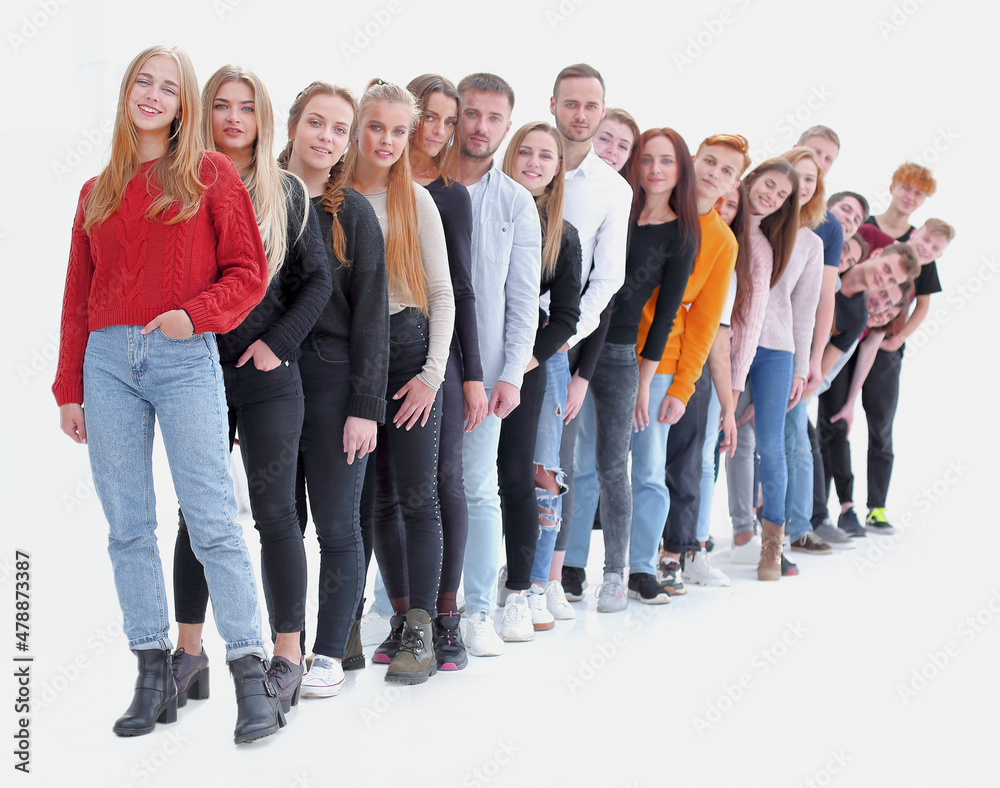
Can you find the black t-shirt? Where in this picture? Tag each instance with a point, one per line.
(851, 317)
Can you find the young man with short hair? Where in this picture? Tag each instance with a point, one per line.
(506, 262)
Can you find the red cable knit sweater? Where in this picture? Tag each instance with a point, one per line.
(130, 269)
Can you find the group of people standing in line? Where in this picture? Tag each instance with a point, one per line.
(449, 360)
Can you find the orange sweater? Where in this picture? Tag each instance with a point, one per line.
(698, 317)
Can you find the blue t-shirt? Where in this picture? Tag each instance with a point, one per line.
(832, 235)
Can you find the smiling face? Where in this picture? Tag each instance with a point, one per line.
(808, 174)
(849, 213)
(438, 124)
(826, 151)
(883, 317)
(928, 246)
(323, 132)
(578, 107)
(658, 170)
(906, 198)
(716, 168)
(728, 204)
(484, 123)
(383, 133)
(537, 162)
(234, 122)
(850, 255)
(613, 143)
(768, 192)
(154, 99)
(882, 271)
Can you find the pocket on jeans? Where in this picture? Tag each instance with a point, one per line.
(334, 352)
(407, 328)
(191, 338)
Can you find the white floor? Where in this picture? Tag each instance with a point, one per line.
(815, 678)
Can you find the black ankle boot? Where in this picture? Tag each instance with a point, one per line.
(155, 697)
(258, 712)
(354, 654)
(191, 675)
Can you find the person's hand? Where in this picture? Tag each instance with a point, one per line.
(174, 324)
(72, 422)
(729, 433)
(263, 357)
(640, 416)
(815, 376)
(671, 410)
(891, 343)
(504, 398)
(845, 414)
(576, 393)
(798, 386)
(359, 437)
(418, 399)
(747, 416)
(476, 403)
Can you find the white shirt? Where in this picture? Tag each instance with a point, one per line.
(597, 203)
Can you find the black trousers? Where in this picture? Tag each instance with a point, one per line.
(684, 449)
(834, 446)
(516, 474)
(266, 408)
(879, 397)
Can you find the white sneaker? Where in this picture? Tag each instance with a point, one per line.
(748, 553)
(555, 599)
(481, 638)
(374, 628)
(700, 570)
(611, 595)
(502, 587)
(541, 618)
(516, 625)
(324, 678)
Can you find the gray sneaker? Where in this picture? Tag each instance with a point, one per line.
(833, 536)
(611, 595)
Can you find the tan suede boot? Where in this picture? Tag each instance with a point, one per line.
(769, 566)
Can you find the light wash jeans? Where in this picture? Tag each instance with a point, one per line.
(798, 453)
(650, 496)
(709, 454)
(130, 380)
(482, 492)
(547, 443)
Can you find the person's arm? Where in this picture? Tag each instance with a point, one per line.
(564, 298)
(823, 326)
(804, 298)
(865, 359)
(437, 278)
(913, 322)
(720, 369)
(640, 416)
(608, 272)
(521, 288)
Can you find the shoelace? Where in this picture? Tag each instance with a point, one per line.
(413, 642)
(279, 667)
(614, 587)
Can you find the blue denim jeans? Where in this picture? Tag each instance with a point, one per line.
(709, 454)
(799, 494)
(650, 497)
(601, 462)
(547, 443)
(482, 492)
(130, 380)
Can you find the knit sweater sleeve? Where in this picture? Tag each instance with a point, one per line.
(368, 296)
(74, 330)
(805, 298)
(440, 299)
(306, 281)
(704, 315)
(745, 334)
(676, 270)
(564, 302)
(239, 252)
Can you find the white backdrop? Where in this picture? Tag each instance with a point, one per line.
(897, 80)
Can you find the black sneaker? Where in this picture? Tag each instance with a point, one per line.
(788, 569)
(574, 580)
(386, 653)
(877, 522)
(709, 544)
(668, 575)
(643, 586)
(849, 522)
(448, 646)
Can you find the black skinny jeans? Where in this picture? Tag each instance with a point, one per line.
(267, 410)
(516, 473)
(879, 398)
(834, 448)
(406, 478)
(334, 490)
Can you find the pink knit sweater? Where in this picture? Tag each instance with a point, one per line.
(744, 334)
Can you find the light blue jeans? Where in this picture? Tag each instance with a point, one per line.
(547, 442)
(650, 496)
(130, 380)
(709, 453)
(482, 492)
(798, 453)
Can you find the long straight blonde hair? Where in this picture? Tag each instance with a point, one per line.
(264, 179)
(177, 171)
(550, 204)
(403, 261)
(812, 213)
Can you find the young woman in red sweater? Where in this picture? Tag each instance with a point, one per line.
(165, 253)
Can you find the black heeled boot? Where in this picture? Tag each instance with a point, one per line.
(155, 697)
(354, 654)
(258, 711)
(191, 675)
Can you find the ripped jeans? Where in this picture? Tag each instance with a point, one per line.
(550, 429)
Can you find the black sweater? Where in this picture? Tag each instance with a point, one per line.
(358, 309)
(455, 206)
(295, 296)
(564, 297)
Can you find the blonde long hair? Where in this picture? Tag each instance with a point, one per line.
(264, 179)
(403, 261)
(550, 204)
(812, 213)
(333, 189)
(176, 172)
